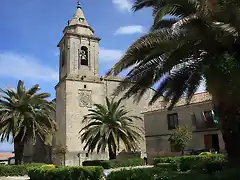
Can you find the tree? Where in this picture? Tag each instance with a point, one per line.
(180, 138)
(107, 126)
(60, 151)
(199, 41)
(25, 114)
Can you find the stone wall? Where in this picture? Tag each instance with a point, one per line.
(157, 133)
(80, 95)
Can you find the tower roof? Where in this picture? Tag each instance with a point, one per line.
(78, 18)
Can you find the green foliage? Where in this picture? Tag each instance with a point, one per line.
(194, 162)
(205, 153)
(161, 174)
(180, 138)
(155, 174)
(108, 164)
(25, 115)
(201, 43)
(108, 126)
(167, 166)
(66, 173)
(16, 170)
(227, 174)
(181, 51)
(59, 151)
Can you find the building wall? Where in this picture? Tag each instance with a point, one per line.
(75, 112)
(157, 133)
(60, 136)
(134, 108)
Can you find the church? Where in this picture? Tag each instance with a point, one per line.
(79, 87)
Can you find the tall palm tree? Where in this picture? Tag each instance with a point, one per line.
(200, 40)
(107, 126)
(24, 115)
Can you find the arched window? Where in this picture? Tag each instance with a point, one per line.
(83, 56)
(63, 56)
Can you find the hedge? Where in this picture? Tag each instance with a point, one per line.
(159, 174)
(193, 162)
(108, 164)
(66, 173)
(16, 170)
(155, 174)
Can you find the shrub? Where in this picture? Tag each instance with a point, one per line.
(227, 174)
(171, 160)
(205, 153)
(200, 162)
(194, 162)
(49, 166)
(167, 166)
(16, 170)
(108, 164)
(159, 174)
(180, 138)
(155, 174)
(66, 173)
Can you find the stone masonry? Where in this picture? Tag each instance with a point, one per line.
(80, 86)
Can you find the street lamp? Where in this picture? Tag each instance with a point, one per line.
(78, 155)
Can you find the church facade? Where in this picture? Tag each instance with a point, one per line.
(80, 86)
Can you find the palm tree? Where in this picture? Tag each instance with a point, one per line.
(25, 114)
(107, 126)
(200, 40)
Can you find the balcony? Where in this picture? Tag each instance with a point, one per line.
(205, 125)
(205, 121)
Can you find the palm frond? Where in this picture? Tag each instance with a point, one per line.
(107, 126)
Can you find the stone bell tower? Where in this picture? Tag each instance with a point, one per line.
(79, 85)
(78, 48)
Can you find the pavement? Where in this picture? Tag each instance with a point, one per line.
(108, 171)
(15, 178)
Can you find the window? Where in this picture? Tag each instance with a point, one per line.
(83, 56)
(85, 86)
(193, 118)
(209, 118)
(63, 56)
(172, 121)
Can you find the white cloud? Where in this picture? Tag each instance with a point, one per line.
(123, 5)
(25, 67)
(109, 55)
(133, 29)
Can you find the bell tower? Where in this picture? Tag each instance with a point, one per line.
(78, 48)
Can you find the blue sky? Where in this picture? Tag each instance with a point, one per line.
(31, 29)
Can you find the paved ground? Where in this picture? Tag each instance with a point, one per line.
(108, 171)
(15, 178)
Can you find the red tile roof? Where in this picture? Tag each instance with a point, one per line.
(5, 156)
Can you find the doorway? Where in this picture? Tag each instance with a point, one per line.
(211, 141)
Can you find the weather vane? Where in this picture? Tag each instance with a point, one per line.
(78, 4)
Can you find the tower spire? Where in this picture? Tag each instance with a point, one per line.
(78, 18)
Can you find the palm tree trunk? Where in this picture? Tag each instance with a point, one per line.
(229, 117)
(112, 152)
(18, 150)
(182, 153)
